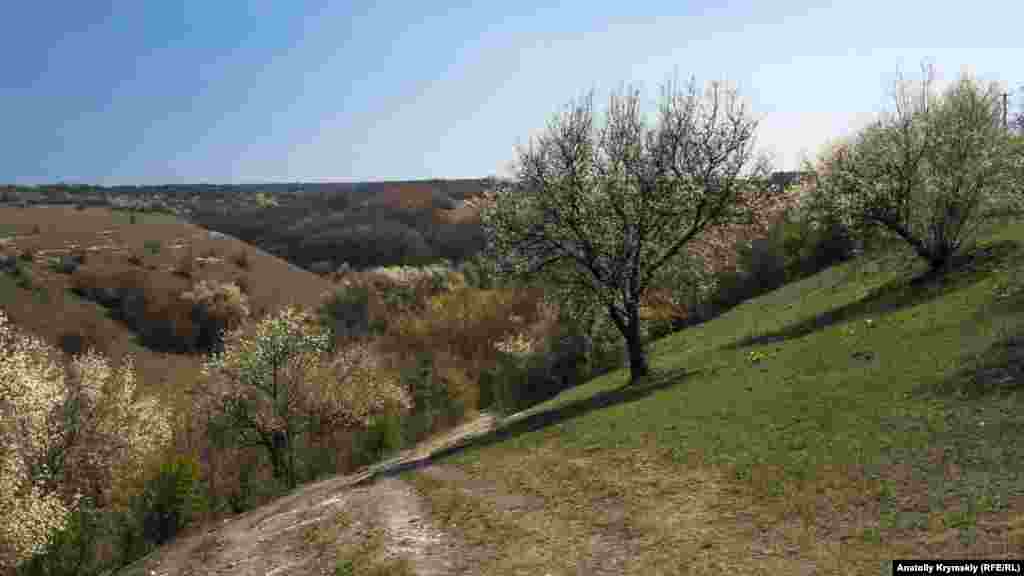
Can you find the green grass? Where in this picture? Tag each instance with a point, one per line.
(152, 246)
(872, 407)
(8, 288)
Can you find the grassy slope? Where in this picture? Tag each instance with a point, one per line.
(834, 424)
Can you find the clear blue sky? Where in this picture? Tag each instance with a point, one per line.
(136, 92)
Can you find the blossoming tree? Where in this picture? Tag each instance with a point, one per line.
(928, 172)
(603, 211)
(268, 387)
(64, 436)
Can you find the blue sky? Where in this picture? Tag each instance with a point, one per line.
(138, 92)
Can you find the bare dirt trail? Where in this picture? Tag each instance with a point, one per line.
(280, 538)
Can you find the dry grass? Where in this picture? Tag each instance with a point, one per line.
(405, 196)
(813, 430)
(465, 212)
(344, 546)
(49, 308)
(110, 242)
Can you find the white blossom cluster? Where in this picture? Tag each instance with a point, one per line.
(361, 388)
(530, 339)
(223, 300)
(276, 340)
(282, 373)
(517, 344)
(929, 172)
(30, 392)
(411, 274)
(110, 432)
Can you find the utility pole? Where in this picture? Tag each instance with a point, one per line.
(1006, 125)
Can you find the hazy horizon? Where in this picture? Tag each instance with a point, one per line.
(119, 92)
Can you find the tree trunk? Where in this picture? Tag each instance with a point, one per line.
(278, 449)
(638, 368)
(276, 462)
(290, 447)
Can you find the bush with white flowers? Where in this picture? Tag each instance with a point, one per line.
(63, 435)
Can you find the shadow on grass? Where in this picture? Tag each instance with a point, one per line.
(627, 393)
(966, 270)
(998, 370)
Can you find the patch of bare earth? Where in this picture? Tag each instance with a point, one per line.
(287, 536)
(282, 539)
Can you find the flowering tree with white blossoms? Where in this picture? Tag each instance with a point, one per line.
(604, 212)
(929, 172)
(269, 387)
(63, 436)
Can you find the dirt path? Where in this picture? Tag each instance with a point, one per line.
(288, 536)
(308, 531)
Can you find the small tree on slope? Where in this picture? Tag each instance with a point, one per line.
(268, 388)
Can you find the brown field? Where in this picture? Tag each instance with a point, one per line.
(405, 196)
(113, 246)
(465, 212)
(419, 196)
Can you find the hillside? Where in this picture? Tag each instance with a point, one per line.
(866, 413)
(318, 226)
(60, 247)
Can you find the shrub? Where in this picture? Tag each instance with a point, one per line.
(399, 296)
(170, 500)
(243, 284)
(241, 259)
(79, 547)
(465, 322)
(152, 246)
(814, 241)
(216, 307)
(186, 264)
(381, 438)
(429, 398)
(64, 434)
(499, 384)
(66, 264)
(95, 286)
(527, 373)
(478, 272)
(23, 278)
(311, 389)
(81, 339)
(345, 312)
